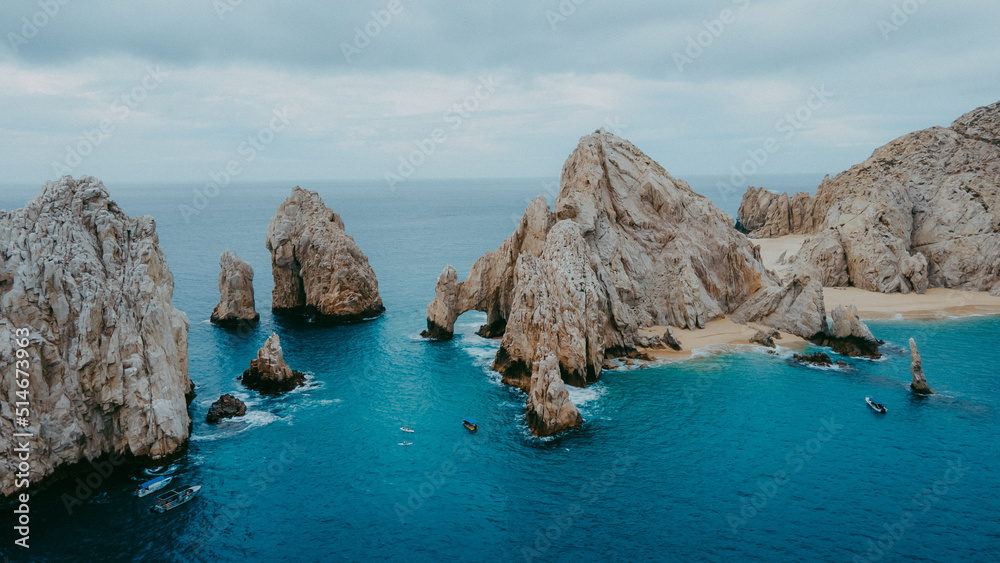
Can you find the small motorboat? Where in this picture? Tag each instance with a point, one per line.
(175, 498)
(406, 443)
(153, 485)
(406, 429)
(875, 405)
(470, 424)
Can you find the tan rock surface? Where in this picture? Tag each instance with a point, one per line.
(107, 351)
(919, 384)
(268, 373)
(236, 302)
(318, 269)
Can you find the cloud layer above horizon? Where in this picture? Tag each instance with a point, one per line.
(174, 91)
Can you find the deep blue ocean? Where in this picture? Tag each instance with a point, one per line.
(725, 457)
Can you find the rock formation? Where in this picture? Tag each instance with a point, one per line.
(318, 270)
(796, 307)
(236, 303)
(919, 384)
(815, 359)
(226, 407)
(106, 350)
(848, 335)
(269, 374)
(549, 409)
(765, 337)
(923, 211)
(659, 342)
(628, 247)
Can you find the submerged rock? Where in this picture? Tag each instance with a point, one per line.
(816, 359)
(269, 374)
(923, 211)
(236, 302)
(919, 384)
(88, 289)
(226, 407)
(318, 270)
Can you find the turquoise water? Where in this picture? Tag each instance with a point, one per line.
(725, 457)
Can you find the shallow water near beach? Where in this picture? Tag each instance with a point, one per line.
(740, 456)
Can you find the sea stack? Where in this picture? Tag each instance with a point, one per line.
(919, 384)
(848, 335)
(236, 303)
(319, 272)
(226, 407)
(269, 374)
(923, 211)
(86, 292)
(628, 247)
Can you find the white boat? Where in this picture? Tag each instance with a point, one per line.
(175, 498)
(875, 405)
(406, 443)
(406, 429)
(152, 486)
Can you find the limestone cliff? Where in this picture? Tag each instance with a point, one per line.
(628, 247)
(236, 302)
(318, 269)
(923, 211)
(107, 351)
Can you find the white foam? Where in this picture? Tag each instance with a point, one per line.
(229, 427)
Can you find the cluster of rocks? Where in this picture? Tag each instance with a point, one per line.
(106, 349)
(923, 211)
(226, 407)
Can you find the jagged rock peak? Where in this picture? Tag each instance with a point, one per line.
(318, 269)
(268, 373)
(919, 384)
(236, 303)
(107, 350)
(628, 247)
(923, 211)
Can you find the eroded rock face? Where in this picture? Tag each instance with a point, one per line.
(923, 211)
(549, 409)
(269, 374)
(764, 214)
(848, 335)
(628, 247)
(107, 351)
(226, 407)
(919, 384)
(236, 303)
(796, 308)
(765, 337)
(318, 270)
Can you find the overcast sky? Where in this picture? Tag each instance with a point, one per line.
(297, 90)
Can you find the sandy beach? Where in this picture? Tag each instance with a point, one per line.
(719, 332)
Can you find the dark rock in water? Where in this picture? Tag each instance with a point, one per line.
(765, 337)
(816, 359)
(226, 407)
(841, 364)
(269, 374)
(919, 384)
(852, 346)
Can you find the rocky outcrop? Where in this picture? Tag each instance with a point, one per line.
(549, 409)
(269, 374)
(659, 342)
(923, 211)
(765, 337)
(814, 359)
(226, 407)
(628, 247)
(848, 335)
(796, 307)
(318, 270)
(236, 303)
(919, 384)
(106, 351)
(765, 214)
